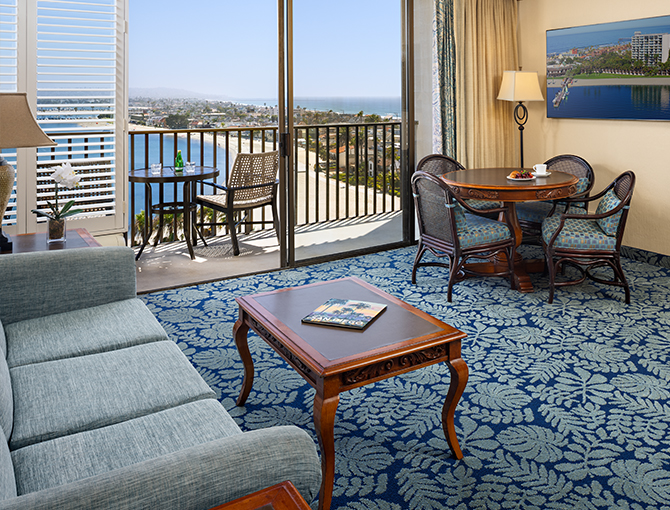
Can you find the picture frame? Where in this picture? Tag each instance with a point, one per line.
(618, 70)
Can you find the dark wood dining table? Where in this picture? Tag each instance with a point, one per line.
(493, 184)
(186, 206)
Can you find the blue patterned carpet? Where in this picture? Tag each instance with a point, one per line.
(566, 406)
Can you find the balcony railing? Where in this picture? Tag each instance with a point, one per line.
(341, 171)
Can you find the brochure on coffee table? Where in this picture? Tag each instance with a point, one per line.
(345, 313)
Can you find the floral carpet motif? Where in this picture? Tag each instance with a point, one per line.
(566, 406)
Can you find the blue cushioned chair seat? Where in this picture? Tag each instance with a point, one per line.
(533, 212)
(66, 396)
(482, 230)
(80, 332)
(482, 205)
(90, 453)
(577, 234)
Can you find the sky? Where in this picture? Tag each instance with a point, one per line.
(348, 48)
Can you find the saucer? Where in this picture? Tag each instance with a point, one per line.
(547, 174)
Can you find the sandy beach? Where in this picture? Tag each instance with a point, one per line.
(637, 80)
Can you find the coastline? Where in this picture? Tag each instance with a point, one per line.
(638, 80)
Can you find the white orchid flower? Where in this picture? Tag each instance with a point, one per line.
(65, 176)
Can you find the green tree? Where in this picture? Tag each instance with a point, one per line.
(176, 121)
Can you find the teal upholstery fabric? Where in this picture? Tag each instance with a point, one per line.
(482, 205)
(577, 234)
(534, 212)
(7, 480)
(6, 401)
(80, 332)
(459, 218)
(62, 397)
(64, 280)
(94, 452)
(607, 203)
(194, 478)
(582, 184)
(482, 230)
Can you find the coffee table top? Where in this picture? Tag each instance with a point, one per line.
(400, 328)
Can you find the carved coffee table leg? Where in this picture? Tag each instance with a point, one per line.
(459, 378)
(240, 331)
(324, 423)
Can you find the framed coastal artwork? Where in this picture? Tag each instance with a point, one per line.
(615, 70)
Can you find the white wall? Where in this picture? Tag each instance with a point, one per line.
(610, 146)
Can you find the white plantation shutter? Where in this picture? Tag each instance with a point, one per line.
(8, 80)
(74, 73)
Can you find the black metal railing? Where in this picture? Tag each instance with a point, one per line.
(341, 171)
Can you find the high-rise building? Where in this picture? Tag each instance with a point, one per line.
(650, 48)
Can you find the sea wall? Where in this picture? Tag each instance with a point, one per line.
(611, 146)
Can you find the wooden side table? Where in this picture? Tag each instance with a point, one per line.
(283, 496)
(75, 238)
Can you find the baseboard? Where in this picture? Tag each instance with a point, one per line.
(649, 257)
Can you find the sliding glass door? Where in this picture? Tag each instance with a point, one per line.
(344, 104)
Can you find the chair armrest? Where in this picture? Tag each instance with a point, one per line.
(479, 212)
(43, 283)
(195, 478)
(213, 184)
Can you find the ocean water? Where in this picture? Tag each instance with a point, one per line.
(368, 105)
(651, 102)
(565, 39)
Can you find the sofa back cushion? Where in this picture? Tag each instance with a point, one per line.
(6, 400)
(7, 480)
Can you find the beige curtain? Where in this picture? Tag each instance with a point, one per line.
(486, 45)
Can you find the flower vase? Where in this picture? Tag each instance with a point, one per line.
(56, 233)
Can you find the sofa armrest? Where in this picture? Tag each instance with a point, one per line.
(43, 283)
(196, 478)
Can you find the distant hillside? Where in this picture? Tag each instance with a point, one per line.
(166, 92)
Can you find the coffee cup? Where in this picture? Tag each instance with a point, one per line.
(540, 169)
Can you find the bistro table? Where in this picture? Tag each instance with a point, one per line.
(493, 184)
(186, 206)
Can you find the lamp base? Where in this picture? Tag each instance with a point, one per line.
(5, 243)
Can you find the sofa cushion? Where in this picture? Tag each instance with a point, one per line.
(6, 401)
(62, 397)
(7, 480)
(80, 332)
(90, 453)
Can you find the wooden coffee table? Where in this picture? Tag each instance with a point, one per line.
(283, 496)
(333, 360)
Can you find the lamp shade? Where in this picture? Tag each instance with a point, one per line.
(18, 127)
(520, 86)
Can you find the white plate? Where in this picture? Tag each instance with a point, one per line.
(546, 174)
(520, 178)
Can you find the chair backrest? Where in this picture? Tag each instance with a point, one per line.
(616, 196)
(576, 166)
(250, 169)
(435, 207)
(438, 164)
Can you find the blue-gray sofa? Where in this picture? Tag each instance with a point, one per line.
(101, 410)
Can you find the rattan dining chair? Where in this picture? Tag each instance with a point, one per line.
(439, 164)
(532, 214)
(449, 227)
(252, 183)
(588, 241)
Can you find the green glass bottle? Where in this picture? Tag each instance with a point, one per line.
(178, 162)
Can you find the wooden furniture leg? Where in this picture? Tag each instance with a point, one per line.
(324, 424)
(240, 330)
(459, 378)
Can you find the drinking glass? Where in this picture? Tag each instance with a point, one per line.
(190, 167)
(156, 168)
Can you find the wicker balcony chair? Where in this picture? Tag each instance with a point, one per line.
(449, 227)
(587, 241)
(532, 214)
(439, 164)
(252, 184)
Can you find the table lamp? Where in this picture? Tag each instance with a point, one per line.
(520, 86)
(18, 129)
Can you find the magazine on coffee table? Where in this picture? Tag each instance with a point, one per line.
(345, 313)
